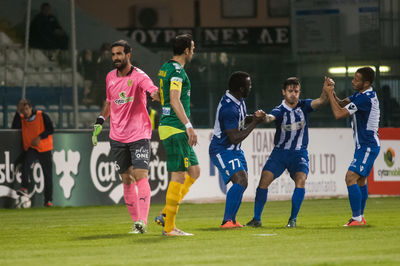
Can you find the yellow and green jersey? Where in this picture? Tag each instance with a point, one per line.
(172, 76)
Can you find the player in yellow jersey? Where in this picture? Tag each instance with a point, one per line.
(176, 132)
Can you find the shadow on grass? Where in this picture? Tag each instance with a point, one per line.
(242, 228)
(108, 236)
(146, 238)
(216, 229)
(283, 228)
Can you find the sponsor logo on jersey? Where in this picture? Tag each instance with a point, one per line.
(162, 73)
(166, 110)
(294, 126)
(123, 99)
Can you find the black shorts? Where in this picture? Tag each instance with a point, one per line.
(135, 153)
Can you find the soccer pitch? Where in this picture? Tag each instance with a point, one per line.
(99, 236)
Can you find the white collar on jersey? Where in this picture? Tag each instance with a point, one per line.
(233, 98)
(368, 90)
(286, 106)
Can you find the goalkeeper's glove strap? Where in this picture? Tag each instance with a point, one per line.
(100, 120)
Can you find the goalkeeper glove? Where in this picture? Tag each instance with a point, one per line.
(97, 129)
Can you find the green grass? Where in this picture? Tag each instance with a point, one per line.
(98, 236)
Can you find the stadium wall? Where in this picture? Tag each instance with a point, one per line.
(85, 175)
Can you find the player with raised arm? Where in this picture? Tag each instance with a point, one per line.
(130, 130)
(363, 107)
(290, 151)
(225, 147)
(176, 132)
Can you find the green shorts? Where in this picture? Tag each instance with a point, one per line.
(180, 155)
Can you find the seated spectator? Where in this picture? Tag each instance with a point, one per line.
(104, 64)
(45, 31)
(87, 68)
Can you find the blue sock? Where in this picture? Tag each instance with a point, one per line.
(364, 197)
(297, 199)
(233, 199)
(259, 202)
(355, 199)
(239, 202)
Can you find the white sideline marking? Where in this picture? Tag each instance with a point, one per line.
(264, 234)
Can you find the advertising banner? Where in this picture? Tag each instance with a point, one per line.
(385, 176)
(86, 175)
(215, 37)
(82, 174)
(330, 153)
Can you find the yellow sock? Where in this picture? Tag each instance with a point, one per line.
(171, 204)
(188, 183)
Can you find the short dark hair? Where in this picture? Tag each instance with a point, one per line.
(367, 73)
(181, 42)
(237, 80)
(291, 81)
(123, 43)
(25, 102)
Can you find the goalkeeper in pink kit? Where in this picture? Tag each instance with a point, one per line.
(130, 130)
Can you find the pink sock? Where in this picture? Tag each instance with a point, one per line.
(131, 201)
(144, 198)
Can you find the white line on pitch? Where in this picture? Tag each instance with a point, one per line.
(264, 234)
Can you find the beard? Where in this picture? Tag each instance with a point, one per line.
(120, 65)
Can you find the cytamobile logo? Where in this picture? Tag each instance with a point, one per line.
(389, 156)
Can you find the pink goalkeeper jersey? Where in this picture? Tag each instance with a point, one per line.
(129, 120)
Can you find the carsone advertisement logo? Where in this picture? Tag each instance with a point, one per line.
(106, 179)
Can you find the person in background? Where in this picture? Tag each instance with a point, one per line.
(46, 32)
(87, 68)
(390, 107)
(37, 138)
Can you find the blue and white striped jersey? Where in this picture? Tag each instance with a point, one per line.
(230, 114)
(364, 111)
(292, 125)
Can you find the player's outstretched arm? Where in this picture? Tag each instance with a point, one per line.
(323, 98)
(249, 118)
(338, 111)
(269, 118)
(97, 127)
(329, 82)
(342, 103)
(235, 136)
